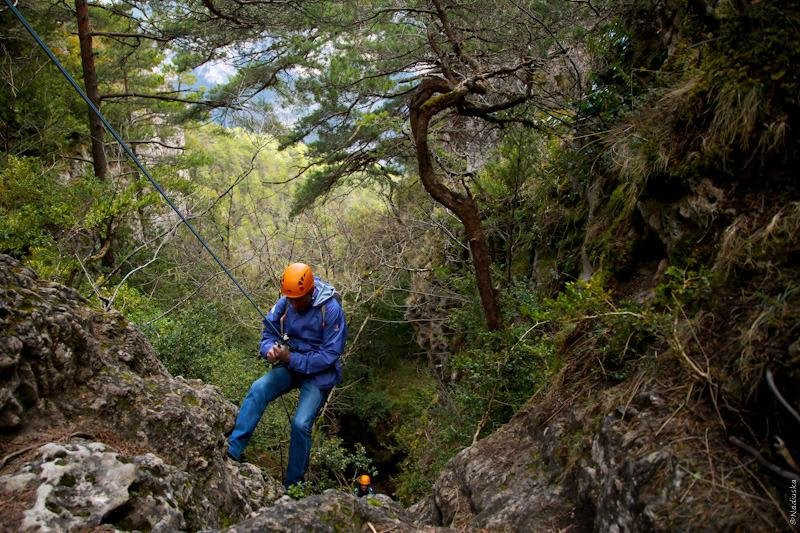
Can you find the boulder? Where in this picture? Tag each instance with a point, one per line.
(616, 461)
(331, 511)
(87, 485)
(82, 390)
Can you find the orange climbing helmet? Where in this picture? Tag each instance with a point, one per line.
(297, 280)
(363, 479)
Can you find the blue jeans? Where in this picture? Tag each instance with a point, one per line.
(274, 383)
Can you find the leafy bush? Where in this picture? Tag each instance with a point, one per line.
(37, 210)
(334, 466)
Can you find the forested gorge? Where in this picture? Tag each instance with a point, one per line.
(527, 206)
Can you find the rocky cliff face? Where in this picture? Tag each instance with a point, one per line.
(94, 429)
(625, 459)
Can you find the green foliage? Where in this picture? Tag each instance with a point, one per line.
(438, 434)
(136, 306)
(40, 115)
(689, 287)
(611, 334)
(190, 342)
(41, 211)
(30, 203)
(532, 194)
(297, 491)
(499, 372)
(334, 466)
(198, 344)
(496, 373)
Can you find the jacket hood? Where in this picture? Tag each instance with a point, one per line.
(323, 291)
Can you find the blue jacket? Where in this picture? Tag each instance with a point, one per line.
(316, 351)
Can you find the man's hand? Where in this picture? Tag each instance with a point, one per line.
(278, 353)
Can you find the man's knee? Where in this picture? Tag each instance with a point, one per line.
(267, 385)
(302, 425)
(259, 388)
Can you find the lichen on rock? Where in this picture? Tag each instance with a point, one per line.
(86, 484)
(331, 511)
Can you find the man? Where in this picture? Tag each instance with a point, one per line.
(364, 487)
(310, 314)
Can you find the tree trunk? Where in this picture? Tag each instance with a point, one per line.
(96, 130)
(482, 264)
(90, 83)
(106, 252)
(425, 106)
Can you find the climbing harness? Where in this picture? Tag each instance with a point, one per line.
(110, 129)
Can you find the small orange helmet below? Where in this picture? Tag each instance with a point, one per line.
(297, 280)
(363, 480)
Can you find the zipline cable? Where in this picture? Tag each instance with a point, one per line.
(131, 155)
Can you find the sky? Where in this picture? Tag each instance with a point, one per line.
(220, 71)
(214, 72)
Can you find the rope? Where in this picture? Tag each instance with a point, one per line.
(130, 153)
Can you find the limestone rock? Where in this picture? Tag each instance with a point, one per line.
(680, 222)
(331, 511)
(500, 483)
(587, 467)
(86, 485)
(426, 311)
(67, 370)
